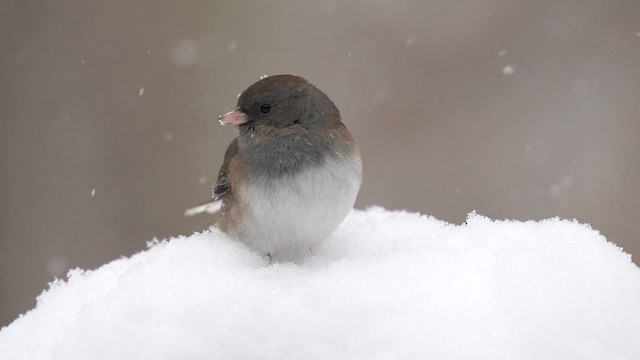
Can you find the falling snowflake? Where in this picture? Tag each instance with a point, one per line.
(508, 70)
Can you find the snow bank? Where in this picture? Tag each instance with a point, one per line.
(386, 285)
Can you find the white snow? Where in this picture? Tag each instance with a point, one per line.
(508, 70)
(385, 285)
(409, 41)
(185, 52)
(141, 91)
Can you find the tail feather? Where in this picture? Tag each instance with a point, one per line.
(210, 207)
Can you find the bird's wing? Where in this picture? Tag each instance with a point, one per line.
(222, 189)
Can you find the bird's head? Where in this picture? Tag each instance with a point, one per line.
(282, 101)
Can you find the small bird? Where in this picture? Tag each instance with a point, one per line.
(292, 174)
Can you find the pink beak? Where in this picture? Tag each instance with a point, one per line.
(234, 117)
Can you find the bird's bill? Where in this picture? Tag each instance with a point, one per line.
(234, 117)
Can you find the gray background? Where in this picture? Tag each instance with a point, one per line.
(421, 84)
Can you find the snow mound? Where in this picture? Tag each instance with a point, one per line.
(385, 285)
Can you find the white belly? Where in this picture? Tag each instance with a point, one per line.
(287, 216)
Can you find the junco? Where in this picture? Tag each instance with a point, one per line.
(292, 174)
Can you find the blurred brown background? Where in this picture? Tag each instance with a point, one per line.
(522, 109)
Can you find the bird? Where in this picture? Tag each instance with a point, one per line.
(291, 175)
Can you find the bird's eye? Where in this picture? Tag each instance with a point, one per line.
(265, 108)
